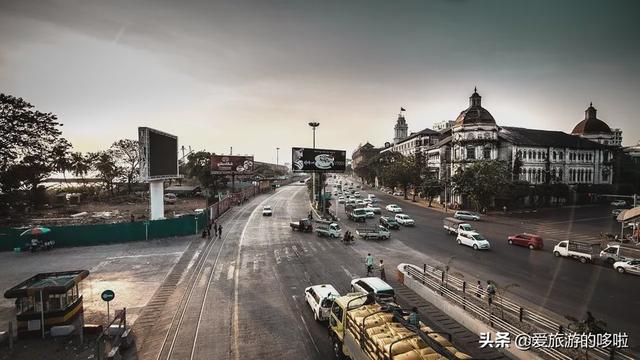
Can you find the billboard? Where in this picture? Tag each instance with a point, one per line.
(158, 154)
(231, 164)
(318, 160)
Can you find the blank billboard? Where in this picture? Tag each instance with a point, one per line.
(158, 154)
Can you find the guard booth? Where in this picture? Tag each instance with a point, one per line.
(52, 299)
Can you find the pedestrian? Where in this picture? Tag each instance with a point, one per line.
(382, 275)
(369, 264)
(479, 290)
(219, 230)
(310, 215)
(491, 291)
(414, 318)
(204, 233)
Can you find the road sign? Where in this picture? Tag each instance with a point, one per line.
(108, 295)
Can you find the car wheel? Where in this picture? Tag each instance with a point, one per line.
(610, 261)
(332, 236)
(459, 242)
(583, 260)
(556, 254)
(620, 269)
(510, 242)
(475, 247)
(531, 247)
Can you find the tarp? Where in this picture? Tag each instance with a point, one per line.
(628, 215)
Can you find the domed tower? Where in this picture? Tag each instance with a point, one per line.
(474, 133)
(593, 128)
(401, 128)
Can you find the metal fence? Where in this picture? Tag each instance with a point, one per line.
(456, 290)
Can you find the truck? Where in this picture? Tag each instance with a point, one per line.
(331, 230)
(585, 251)
(456, 226)
(379, 232)
(620, 252)
(304, 225)
(362, 329)
(357, 215)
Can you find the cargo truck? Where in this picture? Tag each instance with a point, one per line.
(456, 226)
(331, 230)
(620, 252)
(585, 251)
(379, 232)
(362, 329)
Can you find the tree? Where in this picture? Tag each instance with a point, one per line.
(430, 187)
(80, 164)
(126, 153)
(398, 170)
(481, 182)
(61, 160)
(107, 168)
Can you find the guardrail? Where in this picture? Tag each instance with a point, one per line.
(455, 289)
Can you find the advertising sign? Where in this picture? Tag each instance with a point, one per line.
(158, 154)
(318, 160)
(231, 164)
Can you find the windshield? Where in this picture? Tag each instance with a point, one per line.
(478, 237)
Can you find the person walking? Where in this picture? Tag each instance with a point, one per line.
(368, 261)
(491, 291)
(220, 230)
(381, 267)
(479, 290)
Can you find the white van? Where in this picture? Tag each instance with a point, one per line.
(320, 298)
(373, 285)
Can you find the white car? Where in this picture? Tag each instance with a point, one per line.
(320, 298)
(369, 213)
(341, 200)
(374, 209)
(618, 203)
(627, 266)
(398, 193)
(373, 285)
(404, 219)
(394, 208)
(366, 201)
(356, 194)
(267, 211)
(473, 239)
(466, 215)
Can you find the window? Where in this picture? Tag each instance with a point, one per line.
(561, 155)
(554, 156)
(560, 174)
(487, 153)
(530, 156)
(471, 152)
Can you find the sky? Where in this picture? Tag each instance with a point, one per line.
(252, 74)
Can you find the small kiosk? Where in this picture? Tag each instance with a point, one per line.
(52, 299)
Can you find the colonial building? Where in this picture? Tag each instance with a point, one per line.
(543, 156)
(401, 129)
(443, 125)
(416, 142)
(362, 154)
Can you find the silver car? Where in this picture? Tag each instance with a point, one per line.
(466, 215)
(629, 266)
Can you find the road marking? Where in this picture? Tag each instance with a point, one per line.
(309, 333)
(255, 265)
(287, 254)
(218, 273)
(312, 248)
(143, 255)
(320, 246)
(276, 253)
(232, 269)
(349, 274)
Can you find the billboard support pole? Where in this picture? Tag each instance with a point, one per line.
(156, 197)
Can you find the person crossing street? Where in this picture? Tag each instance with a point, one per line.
(369, 264)
(381, 267)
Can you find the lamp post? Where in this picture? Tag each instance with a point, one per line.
(314, 125)
(277, 156)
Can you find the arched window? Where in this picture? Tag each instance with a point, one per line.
(530, 157)
(560, 174)
(554, 155)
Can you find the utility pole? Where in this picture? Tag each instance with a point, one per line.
(314, 125)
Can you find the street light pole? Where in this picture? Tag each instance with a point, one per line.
(314, 125)
(277, 156)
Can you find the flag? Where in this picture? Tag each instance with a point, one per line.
(402, 109)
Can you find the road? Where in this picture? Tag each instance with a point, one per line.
(562, 286)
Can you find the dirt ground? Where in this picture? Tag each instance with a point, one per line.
(100, 212)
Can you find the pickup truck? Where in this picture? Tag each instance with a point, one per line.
(358, 215)
(379, 232)
(361, 329)
(331, 230)
(585, 251)
(304, 225)
(456, 226)
(620, 252)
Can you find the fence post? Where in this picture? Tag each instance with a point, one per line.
(464, 295)
(560, 329)
(521, 313)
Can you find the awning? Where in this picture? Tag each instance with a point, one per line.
(629, 215)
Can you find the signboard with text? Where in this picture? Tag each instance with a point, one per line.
(318, 160)
(231, 164)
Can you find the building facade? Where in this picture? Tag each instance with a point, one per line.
(400, 129)
(362, 154)
(416, 142)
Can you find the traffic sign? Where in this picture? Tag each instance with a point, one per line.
(108, 295)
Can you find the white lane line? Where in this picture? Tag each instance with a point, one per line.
(312, 248)
(142, 255)
(309, 333)
(349, 274)
(295, 250)
(320, 246)
(287, 254)
(218, 273)
(231, 271)
(276, 253)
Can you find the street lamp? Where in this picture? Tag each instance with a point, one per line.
(314, 125)
(277, 156)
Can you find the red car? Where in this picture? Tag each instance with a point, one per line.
(528, 240)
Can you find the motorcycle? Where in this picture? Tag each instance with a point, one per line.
(348, 239)
(37, 245)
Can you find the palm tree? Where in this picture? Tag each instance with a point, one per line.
(80, 164)
(61, 160)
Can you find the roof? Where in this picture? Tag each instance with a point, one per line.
(374, 282)
(423, 132)
(630, 214)
(475, 114)
(546, 138)
(48, 283)
(591, 124)
(324, 290)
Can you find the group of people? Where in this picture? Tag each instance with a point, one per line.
(348, 237)
(491, 291)
(217, 230)
(369, 264)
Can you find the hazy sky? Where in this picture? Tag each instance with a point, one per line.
(252, 74)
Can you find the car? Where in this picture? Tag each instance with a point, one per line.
(404, 219)
(473, 239)
(359, 202)
(529, 240)
(320, 299)
(618, 203)
(369, 213)
(393, 208)
(170, 198)
(366, 201)
(267, 211)
(466, 215)
(375, 209)
(373, 285)
(627, 266)
(616, 212)
(356, 194)
(340, 199)
(398, 193)
(389, 222)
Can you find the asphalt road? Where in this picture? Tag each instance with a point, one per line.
(560, 285)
